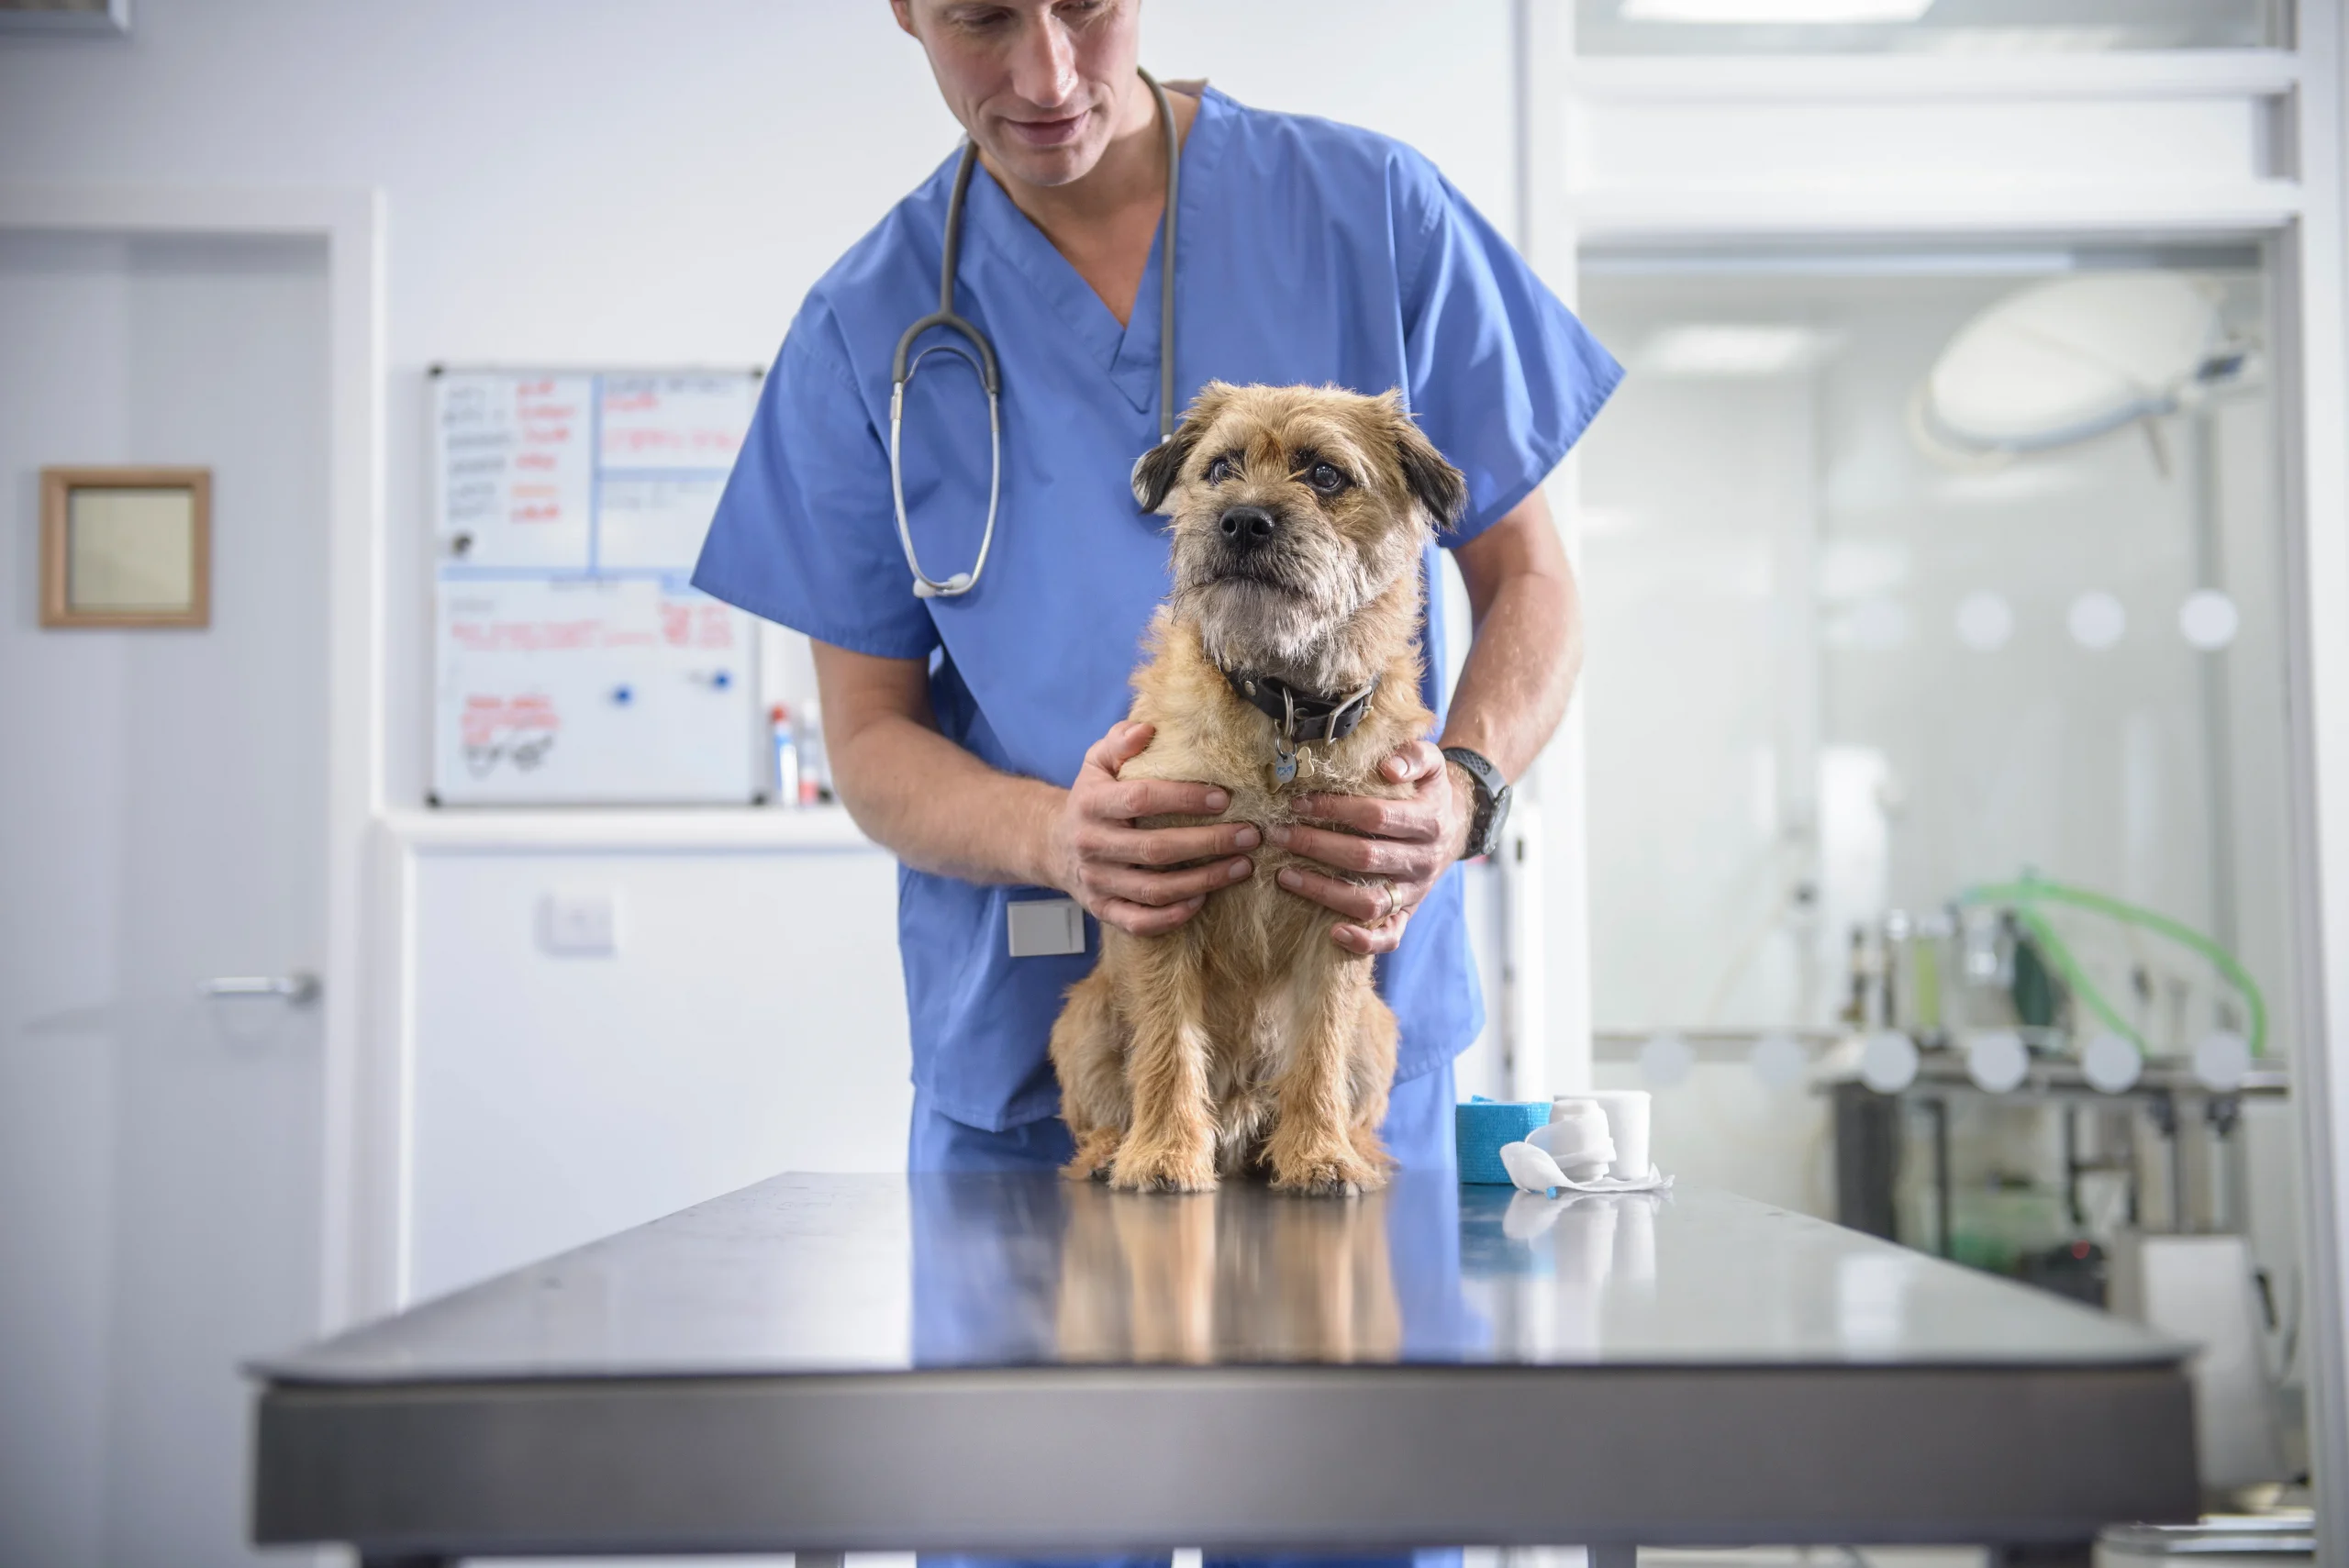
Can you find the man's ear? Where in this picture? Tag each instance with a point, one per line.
(1433, 483)
(1156, 470)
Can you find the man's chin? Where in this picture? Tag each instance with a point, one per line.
(1047, 167)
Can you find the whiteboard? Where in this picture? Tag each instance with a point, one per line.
(574, 663)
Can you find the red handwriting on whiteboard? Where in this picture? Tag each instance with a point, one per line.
(705, 443)
(485, 718)
(518, 729)
(524, 636)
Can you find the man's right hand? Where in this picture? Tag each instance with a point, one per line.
(1116, 870)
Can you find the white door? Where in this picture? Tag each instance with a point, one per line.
(162, 824)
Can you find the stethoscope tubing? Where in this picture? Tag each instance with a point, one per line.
(906, 363)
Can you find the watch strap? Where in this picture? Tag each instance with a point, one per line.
(1491, 790)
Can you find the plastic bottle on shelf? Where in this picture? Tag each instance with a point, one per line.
(788, 779)
(815, 766)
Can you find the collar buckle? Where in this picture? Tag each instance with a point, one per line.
(1300, 717)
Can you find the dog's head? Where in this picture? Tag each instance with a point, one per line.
(1295, 508)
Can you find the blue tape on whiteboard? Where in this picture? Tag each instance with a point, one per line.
(1481, 1126)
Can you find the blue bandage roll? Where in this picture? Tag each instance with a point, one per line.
(1481, 1126)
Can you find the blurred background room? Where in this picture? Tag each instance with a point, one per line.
(1951, 827)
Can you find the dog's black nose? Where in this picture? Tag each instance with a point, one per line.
(1247, 526)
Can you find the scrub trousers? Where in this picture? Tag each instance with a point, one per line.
(1418, 1131)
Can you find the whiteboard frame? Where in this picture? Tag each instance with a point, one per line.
(436, 511)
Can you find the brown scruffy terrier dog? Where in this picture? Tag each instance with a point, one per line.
(1286, 662)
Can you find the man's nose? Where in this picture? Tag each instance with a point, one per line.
(1043, 66)
(1245, 527)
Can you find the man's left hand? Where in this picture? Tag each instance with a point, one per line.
(1395, 848)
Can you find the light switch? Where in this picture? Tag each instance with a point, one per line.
(580, 922)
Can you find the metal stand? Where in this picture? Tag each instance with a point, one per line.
(1944, 1219)
(1614, 1556)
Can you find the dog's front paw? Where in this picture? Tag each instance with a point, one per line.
(1326, 1173)
(1162, 1170)
(1096, 1152)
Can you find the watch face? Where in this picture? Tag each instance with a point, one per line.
(1490, 839)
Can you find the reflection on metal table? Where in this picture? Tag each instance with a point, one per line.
(1020, 1364)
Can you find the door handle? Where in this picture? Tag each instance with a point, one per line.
(298, 987)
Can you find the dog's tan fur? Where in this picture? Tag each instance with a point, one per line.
(1247, 1037)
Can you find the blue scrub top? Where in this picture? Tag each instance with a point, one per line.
(1309, 253)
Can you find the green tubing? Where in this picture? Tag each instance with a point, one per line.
(2059, 953)
(2031, 891)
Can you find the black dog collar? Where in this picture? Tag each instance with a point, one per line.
(1300, 717)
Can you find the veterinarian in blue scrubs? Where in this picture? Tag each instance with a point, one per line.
(978, 735)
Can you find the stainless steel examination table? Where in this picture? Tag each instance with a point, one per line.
(1020, 1365)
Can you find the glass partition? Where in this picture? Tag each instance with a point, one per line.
(1939, 851)
(1911, 577)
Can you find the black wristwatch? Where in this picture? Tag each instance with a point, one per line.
(1492, 801)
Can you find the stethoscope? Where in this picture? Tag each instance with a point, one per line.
(902, 370)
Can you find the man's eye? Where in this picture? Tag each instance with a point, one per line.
(1218, 471)
(1326, 478)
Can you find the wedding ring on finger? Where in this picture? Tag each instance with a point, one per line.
(1394, 902)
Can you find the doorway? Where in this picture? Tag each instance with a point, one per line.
(164, 824)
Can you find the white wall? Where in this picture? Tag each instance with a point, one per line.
(728, 1035)
(654, 182)
(635, 182)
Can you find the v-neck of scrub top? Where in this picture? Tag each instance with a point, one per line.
(1128, 355)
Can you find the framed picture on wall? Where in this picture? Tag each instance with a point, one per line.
(126, 547)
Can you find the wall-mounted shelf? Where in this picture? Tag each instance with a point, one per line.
(489, 829)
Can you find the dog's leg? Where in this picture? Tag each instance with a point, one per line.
(1088, 1053)
(1171, 1144)
(1313, 1148)
(1372, 1074)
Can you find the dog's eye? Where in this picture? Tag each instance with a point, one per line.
(1218, 471)
(1325, 477)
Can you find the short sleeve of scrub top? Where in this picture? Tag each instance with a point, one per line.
(1501, 377)
(810, 539)
(1310, 253)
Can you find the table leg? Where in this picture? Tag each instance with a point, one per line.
(818, 1559)
(1613, 1556)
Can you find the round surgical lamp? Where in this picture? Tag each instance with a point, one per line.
(2064, 361)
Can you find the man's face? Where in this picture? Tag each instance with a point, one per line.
(1040, 84)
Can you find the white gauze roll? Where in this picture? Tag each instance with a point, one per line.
(1577, 1137)
(1626, 1112)
(1530, 1168)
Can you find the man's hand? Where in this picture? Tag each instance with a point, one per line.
(1117, 870)
(1401, 846)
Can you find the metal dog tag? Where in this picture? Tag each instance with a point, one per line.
(1044, 928)
(1284, 760)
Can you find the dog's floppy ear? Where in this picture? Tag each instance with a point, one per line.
(1156, 470)
(1433, 483)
